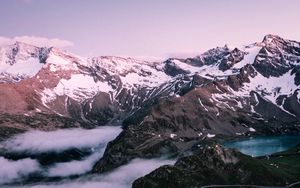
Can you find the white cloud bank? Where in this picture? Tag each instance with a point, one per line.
(39, 141)
(11, 170)
(59, 140)
(121, 177)
(36, 41)
(74, 167)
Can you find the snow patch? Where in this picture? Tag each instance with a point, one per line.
(78, 87)
(256, 99)
(52, 68)
(27, 68)
(249, 57)
(210, 135)
(200, 102)
(132, 72)
(270, 88)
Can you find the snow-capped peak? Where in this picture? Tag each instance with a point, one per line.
(62, 60)
(277, 41)
(62, 78)
(21, 59)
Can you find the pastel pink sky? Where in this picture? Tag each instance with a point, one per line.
(148, 28)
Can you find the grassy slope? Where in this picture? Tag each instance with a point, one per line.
(286, 164)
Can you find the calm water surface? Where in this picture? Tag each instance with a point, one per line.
(263, 145)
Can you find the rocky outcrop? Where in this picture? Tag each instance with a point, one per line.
(277, 56)
(234, 57)
(172, 70)
(213, 166)
(11, 124)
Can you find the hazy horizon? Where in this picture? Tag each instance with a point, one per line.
(146, 29)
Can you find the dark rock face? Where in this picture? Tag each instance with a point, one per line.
(196, 61)
(296, 71)
(277, 56)
(271, 111)
(99, 109)
(212, 166)
(197, 81)
(172, 70)
(292, 104)
(237, 81)
(11, 124)
(234, 57)
(214, 55)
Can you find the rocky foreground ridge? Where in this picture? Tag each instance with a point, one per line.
(215, 165)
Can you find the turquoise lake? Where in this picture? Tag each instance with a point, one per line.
(263, 145)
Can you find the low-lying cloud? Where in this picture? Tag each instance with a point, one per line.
(121, 177)
(60, 140)
(75, 167)
(136, 168)
(11, 170)
(39, 141)
(37, 41)
(36, 142)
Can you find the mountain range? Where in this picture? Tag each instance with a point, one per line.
(165, 108)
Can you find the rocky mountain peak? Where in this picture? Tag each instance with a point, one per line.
(277, 56)
(271, 38)
(21, 60)
(285, 45)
